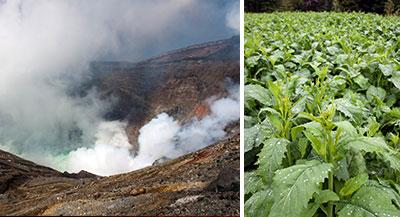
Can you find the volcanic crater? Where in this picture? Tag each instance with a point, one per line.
(178, 83)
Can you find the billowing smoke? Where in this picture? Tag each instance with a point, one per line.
(162, 137)
(45, 50)
(233, 16)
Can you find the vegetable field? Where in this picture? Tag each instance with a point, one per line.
(322, 115)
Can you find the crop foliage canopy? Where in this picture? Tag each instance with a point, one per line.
(322, 114)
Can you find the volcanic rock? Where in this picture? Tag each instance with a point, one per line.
(177, 187)
(177, 83)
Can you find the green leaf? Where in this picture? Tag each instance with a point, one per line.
(276, 90)
(317, 144)
(393, 159)
(258, 93)
(386, 69)
(368, 144)
(350, 72)
(369, 201)
(341, 170)
(252, 137)
(346, 127)
(353, 184)
(390, 187)
(276, 56)
(270, 157)
(392, 117)
(249, 121)
(332, 50)
(308, 116)
(275, 121)
(259, 204)
(322, 73)
(310, 210)
(299, 106)
(357, 164)
(294, 186)
(252, 182)
(376, 145)
(325, 196)
(377, 92)
(295, 131)
(270, 110)
(338, 82)
(372, 127)
(361, 81)
(395, 79)
(302, 145)
(354, 112)
(313, 132)
(341, 58)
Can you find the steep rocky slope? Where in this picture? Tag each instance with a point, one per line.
(177, 83)
(202, 183)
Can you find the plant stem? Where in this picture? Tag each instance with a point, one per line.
(330, 158)
(289, 154)
(286, 135)
(330, 204)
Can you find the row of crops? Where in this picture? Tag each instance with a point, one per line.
(322, 115)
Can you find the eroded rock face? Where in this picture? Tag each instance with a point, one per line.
(177, 83)
(14, 171)
(194, 184)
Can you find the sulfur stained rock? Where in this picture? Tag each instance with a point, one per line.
(138, 191)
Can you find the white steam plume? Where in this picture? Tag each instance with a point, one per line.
(233, 17)
(161, 137)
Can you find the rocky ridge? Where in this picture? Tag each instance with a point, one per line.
(177, 83)
(202, 183)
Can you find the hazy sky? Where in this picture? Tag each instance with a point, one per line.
(200, 21)
(136, 29)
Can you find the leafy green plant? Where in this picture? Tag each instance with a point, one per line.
(322, 115)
